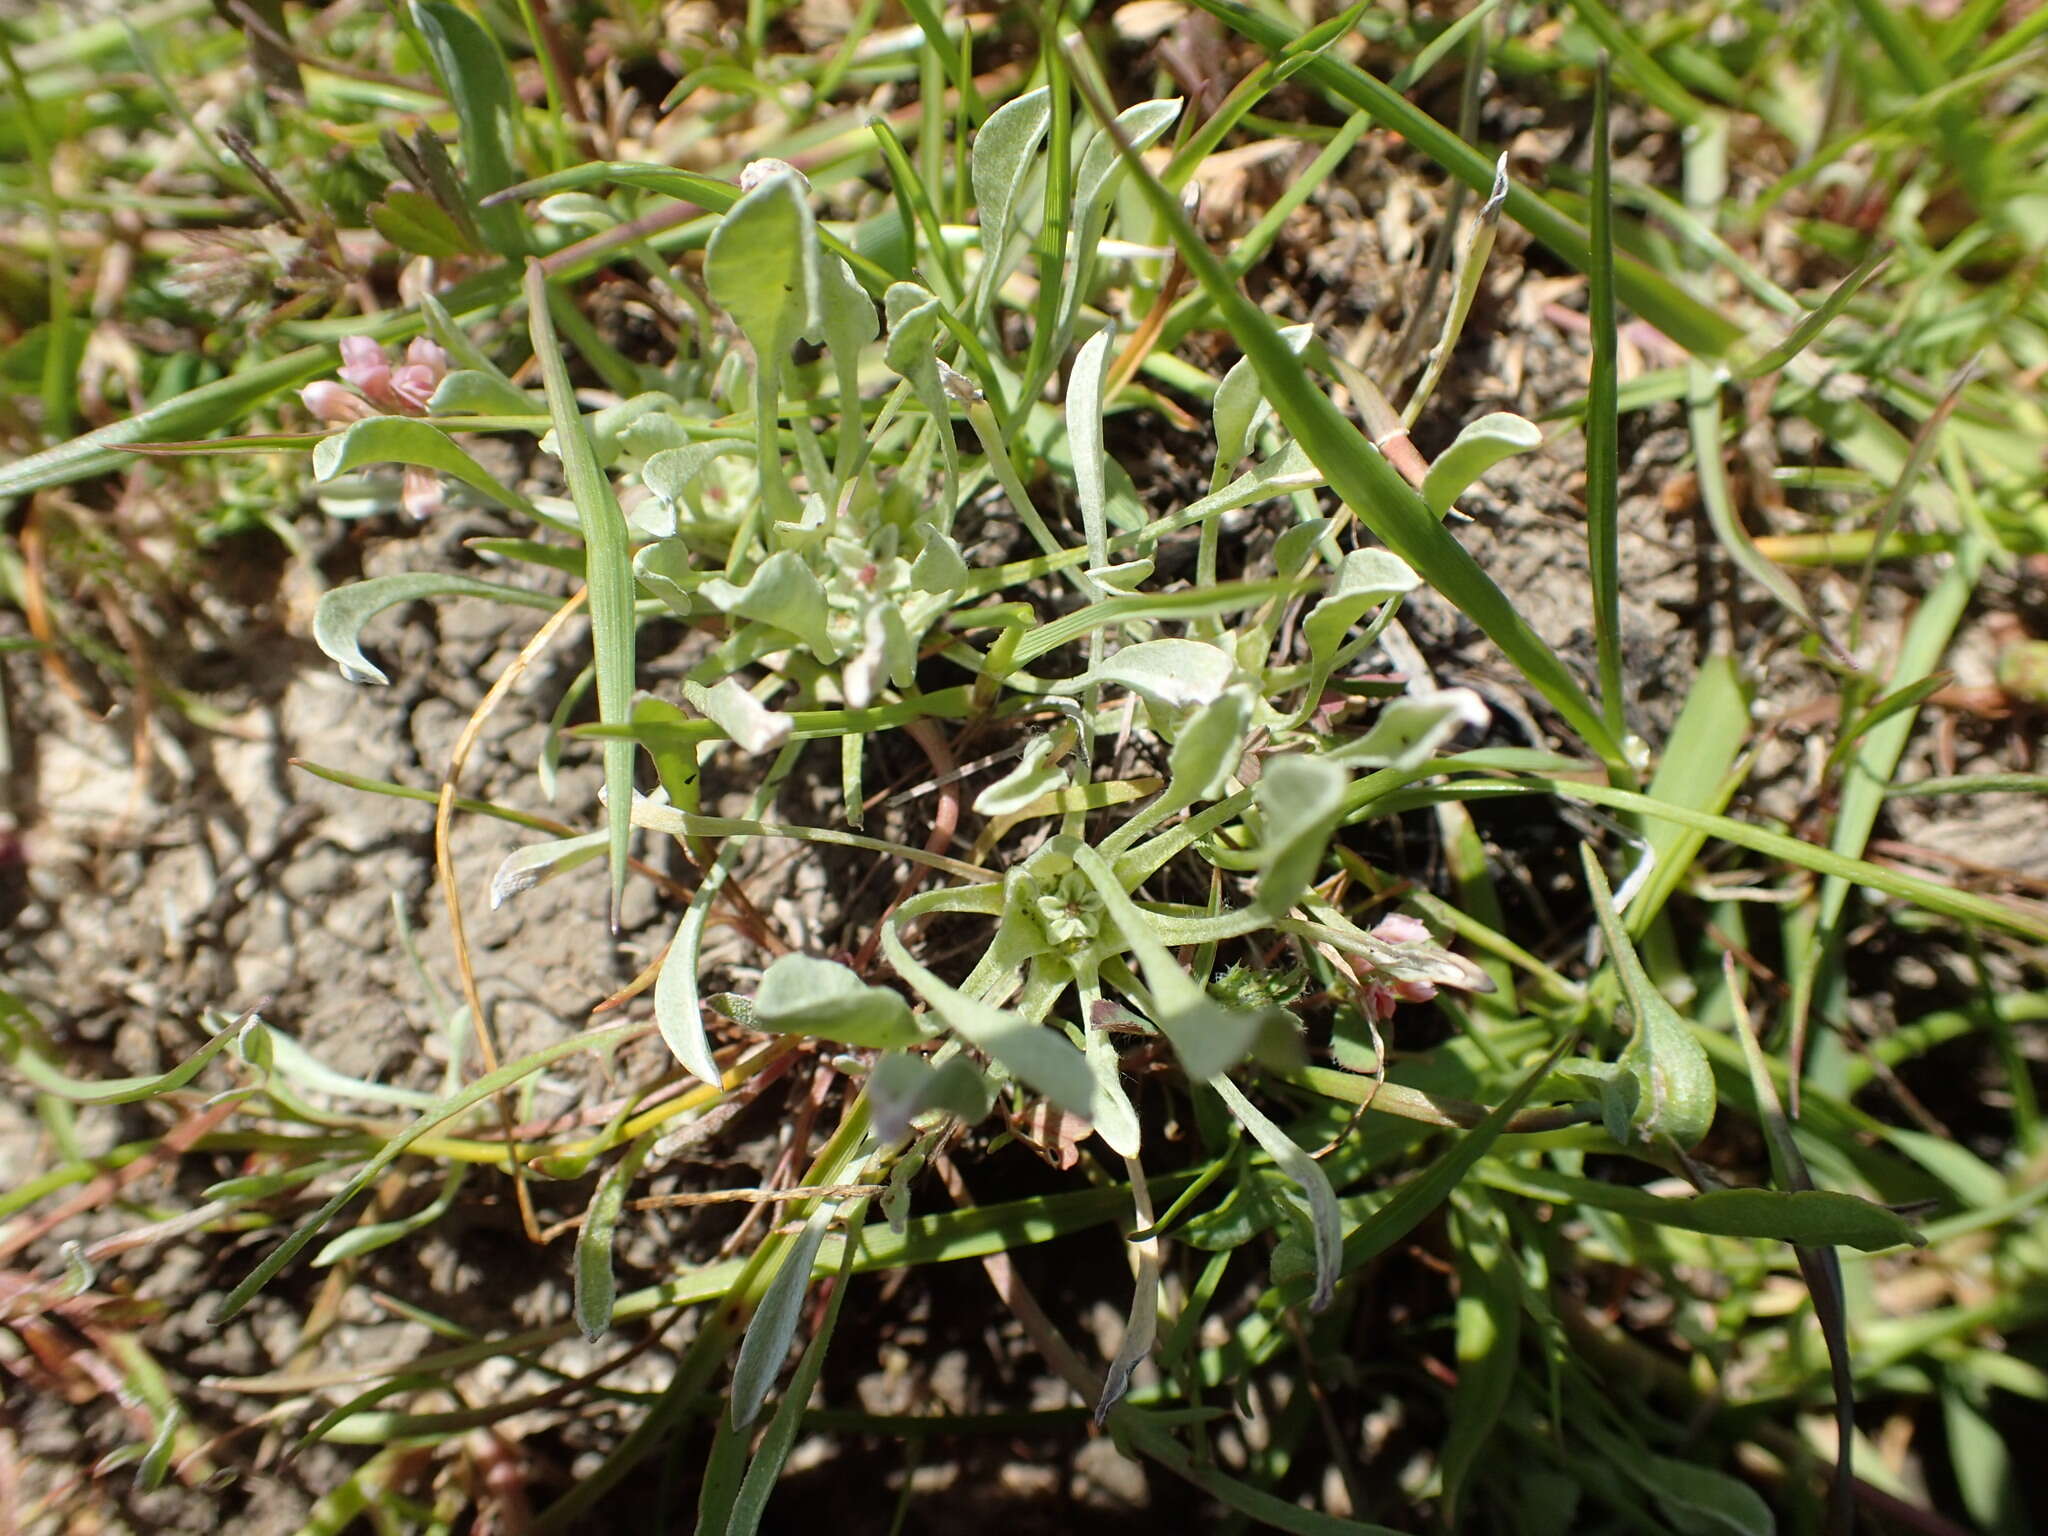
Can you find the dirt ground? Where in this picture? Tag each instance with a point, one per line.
(209, 873)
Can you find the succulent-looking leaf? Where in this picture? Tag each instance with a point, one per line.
(940, 567)
(1040, 1057)
(596, 1287)
(1173, 674)
(1208, 1035)
(1477, 448)
(750, 723)
(902, 1087)
(803, 995)
(1240, 405)
(1033, 776)
(1301, 798)
(1122, 576)
(784, 593)
(1408, 731)
(1084, 439)
(670, 472)
(761, 266)
(342, 612)
(524, 868)
(1116, 1118)
(406, 440)
(1207, 748)
(1142, 126)
(1367, 578)
(999, 164)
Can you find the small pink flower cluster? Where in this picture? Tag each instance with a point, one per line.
(1382, 997)
(383, 390)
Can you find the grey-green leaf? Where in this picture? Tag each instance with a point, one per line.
(803, 995)
(1206, 752)
(1300, 798)
(999, 164)
(524, 868)
(782, 592)
(1408, 731)
(407, 440)
(774, 1323)
(1174, 674)
(343, 611)
(761, 266)
(1325, 1220)
(1476, 449)
(1034, 775)
(1240, 404)
(596, 1287)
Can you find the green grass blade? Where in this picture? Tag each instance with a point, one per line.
(1369, 485)
(1603, 439)
(1963, 906)
(1697, 327)
(608, 563)
(476, 1093)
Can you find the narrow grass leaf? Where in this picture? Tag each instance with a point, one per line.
(1697, 769)
(1812, 1218)
(21, 1057)
(478, 1092)
(608, 565)
(1487, 1334)
(765, 1469)
(774, 1322)
(1325, 1220)
(1809, 329)
(1369, 485)
(193, 413)
(1963, 906)
(473, 73)
(1603, 425)
(1422, 1194)
(1698, 327)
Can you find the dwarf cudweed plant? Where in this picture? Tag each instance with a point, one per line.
(819, 486)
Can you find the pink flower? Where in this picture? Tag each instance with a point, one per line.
(334, 405)
(421, 496)
(1382, 997)
(1400, 928)
(415, 382)
(382, 390)
(401, 391)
